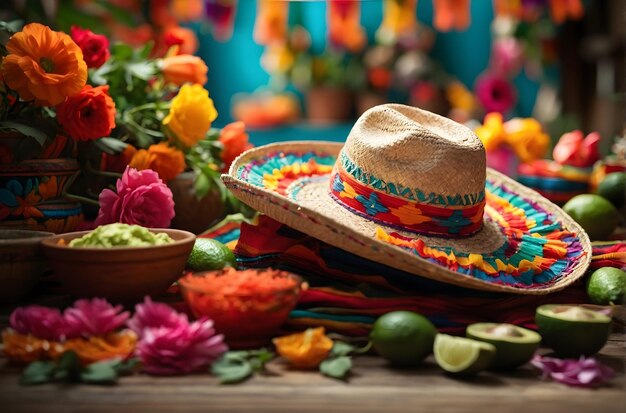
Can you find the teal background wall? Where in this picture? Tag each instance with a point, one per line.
(234, 66)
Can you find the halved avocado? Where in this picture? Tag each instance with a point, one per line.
(514, 345)
(572, 330)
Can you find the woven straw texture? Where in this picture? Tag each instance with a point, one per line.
(314, 212)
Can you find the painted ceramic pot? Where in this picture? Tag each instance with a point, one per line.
(31, 195)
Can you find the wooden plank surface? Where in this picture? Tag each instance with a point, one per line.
(373, 387)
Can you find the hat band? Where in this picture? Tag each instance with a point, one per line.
(403, 214)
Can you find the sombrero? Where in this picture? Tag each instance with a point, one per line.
(410, 189)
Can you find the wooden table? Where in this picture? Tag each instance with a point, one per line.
(373, 387)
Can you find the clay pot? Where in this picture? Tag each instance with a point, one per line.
(328, 105)
(193, 214)
(31, 195)
(121, 275)
(367, 100)
(21, 262)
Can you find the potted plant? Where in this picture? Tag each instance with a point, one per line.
(113, 107)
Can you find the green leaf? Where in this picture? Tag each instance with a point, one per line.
(337, 368)
(202, 185)
(110, 146)
(341, 349)
(100, 372)
(37, 372)
(68, 367)
(127, 367)
(142, 70)
(119, 14)
(121, 51)
(231, 372)
(26, 130)
(13, 26)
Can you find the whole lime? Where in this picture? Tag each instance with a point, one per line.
(595, 214)
(209, 254)
(607, 286)
(404, 338)
(613, 188)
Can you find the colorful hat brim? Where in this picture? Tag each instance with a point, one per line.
(527, 245)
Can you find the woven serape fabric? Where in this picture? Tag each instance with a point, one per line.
(347, 293)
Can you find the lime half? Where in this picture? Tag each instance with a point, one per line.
(463, 356)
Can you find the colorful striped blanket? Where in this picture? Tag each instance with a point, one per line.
(347, 293)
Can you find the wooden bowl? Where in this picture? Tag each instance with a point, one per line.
(22, 262)
(119, 274)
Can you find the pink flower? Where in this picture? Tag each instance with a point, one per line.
(507, 56)
(155, 315)
(42, 322)
(179, 349)
(94, 317)
(142, 199)
(95, 47)
(495, 93)
(585, 372)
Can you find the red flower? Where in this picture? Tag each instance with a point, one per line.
(95, 47)
(235, 141)
(89, 114)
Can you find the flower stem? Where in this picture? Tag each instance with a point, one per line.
(82, 199)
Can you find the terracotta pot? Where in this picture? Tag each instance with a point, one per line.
(123, 274)
(328, 105)
(31, 195)
(193, 214)
(21, 262)
(367, 100)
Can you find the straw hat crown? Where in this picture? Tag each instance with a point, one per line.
(417, 149)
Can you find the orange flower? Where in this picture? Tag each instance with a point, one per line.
(184, 69)
(306, 349)
(560, 10)
(344, 27)
(168, 162)
(25, 349)
(451, 14)
(271, 22)
(235, 140)
(187, 10)
(92, 349)
(43, 65)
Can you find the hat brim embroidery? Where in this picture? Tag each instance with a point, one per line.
(527, 245)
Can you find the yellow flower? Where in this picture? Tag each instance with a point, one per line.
(306, 349)
(460, 97)
(491, 133)
(527, 138)
(191, 114)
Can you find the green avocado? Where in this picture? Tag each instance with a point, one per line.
(514, 345)
(571, 330)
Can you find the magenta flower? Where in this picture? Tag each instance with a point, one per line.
(154, 315)
(585, 372)
(180, 349)
(495, 93)
(42, 322)
(142, 198)
(94, 317)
